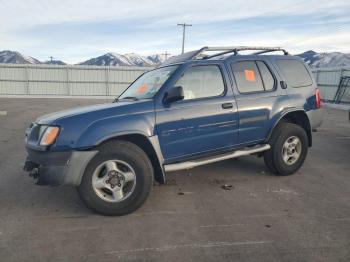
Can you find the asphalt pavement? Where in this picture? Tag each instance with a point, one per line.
(233, 210)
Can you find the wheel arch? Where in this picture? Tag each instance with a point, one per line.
(298, 117)
(151, 148)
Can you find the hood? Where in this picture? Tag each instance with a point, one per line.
(83, 127)
(53, 118)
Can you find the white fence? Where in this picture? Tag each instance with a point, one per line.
(66, 80)
(328, 82)
(55, 80)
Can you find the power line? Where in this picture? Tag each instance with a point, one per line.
(183, 35)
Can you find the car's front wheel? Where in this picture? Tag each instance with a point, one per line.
(289, 147)
(117, 180)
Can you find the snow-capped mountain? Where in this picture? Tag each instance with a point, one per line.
(109, 59)
(132, 59)
(320, 60)
(14, 57)
(314, 59)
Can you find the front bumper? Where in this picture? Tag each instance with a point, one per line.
(57, 168)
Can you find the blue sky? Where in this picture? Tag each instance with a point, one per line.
(76, 30)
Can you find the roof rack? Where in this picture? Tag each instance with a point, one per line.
(236, 49)
(222, 50)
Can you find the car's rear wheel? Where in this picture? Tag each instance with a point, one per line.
(117, 180)
(289, 147)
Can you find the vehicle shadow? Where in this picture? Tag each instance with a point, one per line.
(64, 201)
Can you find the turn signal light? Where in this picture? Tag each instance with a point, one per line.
(49, 135)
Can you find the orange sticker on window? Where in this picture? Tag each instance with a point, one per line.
(249, 75)
(142, 89)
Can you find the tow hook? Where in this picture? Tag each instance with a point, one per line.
(34, 173)
(33, 170)
(29, 166)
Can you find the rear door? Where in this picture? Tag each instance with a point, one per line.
(258, 96)
(205, 121)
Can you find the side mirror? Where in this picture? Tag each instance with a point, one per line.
(283, 84)
(174, 94)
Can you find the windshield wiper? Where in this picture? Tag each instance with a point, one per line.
(127, 98)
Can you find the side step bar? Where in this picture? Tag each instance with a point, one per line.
(199, 162)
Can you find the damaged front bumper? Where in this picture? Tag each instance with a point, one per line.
(57, 168)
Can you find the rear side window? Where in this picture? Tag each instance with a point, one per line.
(269, 81)
(202, 81)
(247, 77)
(294, 72)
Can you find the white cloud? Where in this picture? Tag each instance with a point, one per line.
(331, 41)
(21, 14)
(18, 16)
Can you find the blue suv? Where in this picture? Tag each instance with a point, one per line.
(201, 107)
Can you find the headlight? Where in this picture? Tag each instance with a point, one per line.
(48, 135)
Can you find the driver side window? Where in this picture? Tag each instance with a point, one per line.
(202, 81)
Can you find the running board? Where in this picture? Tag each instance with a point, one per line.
(199, 162)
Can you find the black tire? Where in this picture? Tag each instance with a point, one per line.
(273, 158)
(135, 157)
(268, 162)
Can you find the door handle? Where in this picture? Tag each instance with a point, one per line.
(227, 105)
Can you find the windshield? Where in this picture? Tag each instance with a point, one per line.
(147, 85)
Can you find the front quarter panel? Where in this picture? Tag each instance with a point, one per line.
(84, 131)
(101, 130)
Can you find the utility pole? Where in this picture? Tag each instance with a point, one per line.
(183, 34)
(166, 54)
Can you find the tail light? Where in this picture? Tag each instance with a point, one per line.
(318, 98)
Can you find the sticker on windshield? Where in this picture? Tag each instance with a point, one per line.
(249, 75)
(142, 89)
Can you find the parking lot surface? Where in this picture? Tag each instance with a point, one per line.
(233, 210)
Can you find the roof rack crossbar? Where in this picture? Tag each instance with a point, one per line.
(234, 51)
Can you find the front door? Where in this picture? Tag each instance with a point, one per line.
(204, 121)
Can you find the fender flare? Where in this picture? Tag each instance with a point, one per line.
(295, 110)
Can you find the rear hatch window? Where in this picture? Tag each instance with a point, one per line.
(294, 72)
